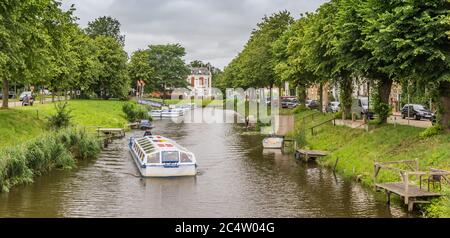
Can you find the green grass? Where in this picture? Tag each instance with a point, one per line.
(21, 124)
(357, 150)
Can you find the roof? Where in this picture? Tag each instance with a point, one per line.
(155, 144)
(200, 71)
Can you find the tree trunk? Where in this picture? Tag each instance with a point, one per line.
(325, 98)
(270, 92)
(302, 95)
(384, 93)
(320, 93)
(444, 94)
(5, 93)
(346, 89)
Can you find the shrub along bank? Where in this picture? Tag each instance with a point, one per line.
(60, 150)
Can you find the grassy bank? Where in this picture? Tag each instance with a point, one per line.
(358, 150)
(28, 148)
(20, 124)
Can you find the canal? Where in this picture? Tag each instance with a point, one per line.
(237, 179)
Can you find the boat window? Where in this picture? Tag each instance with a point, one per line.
(170, 157)
(153, 158)
(185, 158)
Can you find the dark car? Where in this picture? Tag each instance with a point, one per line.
(333, 107)
(11, 94)
(313, 104)
(417, 112)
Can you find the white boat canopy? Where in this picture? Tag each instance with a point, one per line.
(157, 150)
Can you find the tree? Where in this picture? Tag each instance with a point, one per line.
(139, 68)
(410, 39)
(290, 63)
(318, 52)
(105, 26)
(24, 39)
(254, 66)
(198, 64)
(89, 66)
(169, 69)
(113, 78)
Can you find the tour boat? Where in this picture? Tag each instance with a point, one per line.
(157, 156)
(273, 142)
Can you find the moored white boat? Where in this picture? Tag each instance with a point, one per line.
(172, 113)
(273, 142)
(157, 156)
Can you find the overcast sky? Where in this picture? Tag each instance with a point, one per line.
(211, 30)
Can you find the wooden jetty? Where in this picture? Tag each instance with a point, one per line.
(109, 134)
(134, 125)
(308, 155)
(412, 194)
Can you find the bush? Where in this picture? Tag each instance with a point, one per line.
(300, 136)
(13, 169)
(300, 109)
(135, 113)
(62, 117)
(432, 131)
(81, 145)
(59, 150)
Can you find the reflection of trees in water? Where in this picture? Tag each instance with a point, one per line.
(319, 191)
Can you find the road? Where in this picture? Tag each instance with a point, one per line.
(396, 118)
(19, 104)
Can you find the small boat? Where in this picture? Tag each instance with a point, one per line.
(172, 113)
(273, 142)
(145, 125)
(157, 156)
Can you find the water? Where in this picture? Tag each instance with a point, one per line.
(237, 179)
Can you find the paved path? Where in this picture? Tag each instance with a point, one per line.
(19, 104)
(285, 124)
(396, 118)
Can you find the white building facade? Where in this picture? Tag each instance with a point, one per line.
(200, 82)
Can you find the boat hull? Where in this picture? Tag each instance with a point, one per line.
(273, 143)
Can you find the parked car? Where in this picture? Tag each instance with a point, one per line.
(417, 112)
(46, 92)
(333, 107)
(289, 102)
(360, 106)
(11, 94)
(313, 104)
(26, 93)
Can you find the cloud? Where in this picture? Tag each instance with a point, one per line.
(211, 30)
